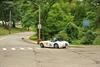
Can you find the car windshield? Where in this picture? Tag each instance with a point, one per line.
(56, 40)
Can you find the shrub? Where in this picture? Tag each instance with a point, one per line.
(97, 40)
(72, 30)
(76, 42)
(81, 34)
(62, 35)
(88, 38)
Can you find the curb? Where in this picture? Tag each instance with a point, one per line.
(84, 46)
(77, 46)
(26, 39)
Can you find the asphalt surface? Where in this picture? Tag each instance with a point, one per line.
(14, 52)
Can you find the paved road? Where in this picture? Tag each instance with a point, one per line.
(14, 52)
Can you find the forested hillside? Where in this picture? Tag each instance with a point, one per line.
(76, 21)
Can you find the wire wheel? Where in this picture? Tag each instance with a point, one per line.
(56, 46)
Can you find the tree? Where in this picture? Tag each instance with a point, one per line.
(72, 30)
(88, 38)
(7, 6)
(57, 19)
(45, 8)
(94, 7)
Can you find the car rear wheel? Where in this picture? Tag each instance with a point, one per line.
(41, 45)
(56, 46)
(66, 44)
(64, 47)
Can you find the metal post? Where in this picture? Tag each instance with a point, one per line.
(39, 22)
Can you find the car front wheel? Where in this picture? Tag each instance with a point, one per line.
(56, 46)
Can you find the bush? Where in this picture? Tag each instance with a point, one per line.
(76, 42)
(97, 40)
(88, 38)
(63, 36)
(72, 30)
(81, 34)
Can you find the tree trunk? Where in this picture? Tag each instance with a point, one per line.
(28, 28)
(5, 25)
(13, 25)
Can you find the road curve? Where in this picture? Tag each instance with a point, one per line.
(14, 52)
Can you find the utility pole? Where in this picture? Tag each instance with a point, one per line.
(39, 25)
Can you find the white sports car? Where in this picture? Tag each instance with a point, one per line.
(55, 44)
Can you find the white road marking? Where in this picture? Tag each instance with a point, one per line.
(38, 48)
(71, 48)
(2, 38)
(22, 48)
(30, 48)
(13, 49)
(4, 48)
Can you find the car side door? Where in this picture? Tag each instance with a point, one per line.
(47, 44)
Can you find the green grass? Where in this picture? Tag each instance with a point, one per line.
(4, 31)
(33, 37)
(16, 30)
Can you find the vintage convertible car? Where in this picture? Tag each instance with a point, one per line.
(55, 44)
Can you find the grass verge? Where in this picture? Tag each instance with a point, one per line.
(33, 37)
(4, 31)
